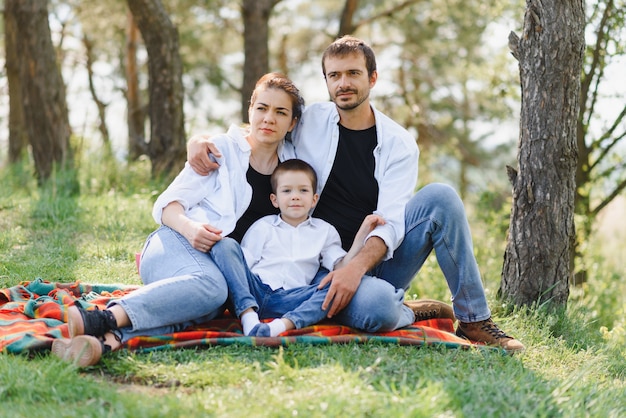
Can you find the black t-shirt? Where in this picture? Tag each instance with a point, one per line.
(351, 192)
(260, 205)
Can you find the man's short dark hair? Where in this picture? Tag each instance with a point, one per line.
(347, 45)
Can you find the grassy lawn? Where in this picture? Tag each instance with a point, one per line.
(574, 365)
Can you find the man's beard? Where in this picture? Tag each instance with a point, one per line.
(353, 105)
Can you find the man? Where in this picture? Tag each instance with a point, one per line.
(367, 163)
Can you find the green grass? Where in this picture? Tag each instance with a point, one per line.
(574, 365)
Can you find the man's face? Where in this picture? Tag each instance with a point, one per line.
(347, 80)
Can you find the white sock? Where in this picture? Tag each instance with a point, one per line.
(277, 326)
(248, 321)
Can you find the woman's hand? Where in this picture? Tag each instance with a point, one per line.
(202, 237)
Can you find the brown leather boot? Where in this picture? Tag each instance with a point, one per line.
(487, 332)
(425, 309)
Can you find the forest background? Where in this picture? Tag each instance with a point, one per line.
(446, 73)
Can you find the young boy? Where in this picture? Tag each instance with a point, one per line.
(276, 271)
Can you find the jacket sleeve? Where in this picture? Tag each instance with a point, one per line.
(332, 251)
(253, 242)
(188, 189)
(397, 180)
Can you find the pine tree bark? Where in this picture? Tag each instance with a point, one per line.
(541, 233)
(42, 89)
(256, 15)
(18, 140)
(166, 147)
(135, 114)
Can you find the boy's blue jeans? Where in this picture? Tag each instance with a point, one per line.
(301, 305)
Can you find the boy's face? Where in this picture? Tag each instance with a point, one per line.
(294, 196)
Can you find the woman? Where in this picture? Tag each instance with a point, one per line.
(182, 284)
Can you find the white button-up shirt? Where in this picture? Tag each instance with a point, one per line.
(220, 198)
(284, 256)
(315, 139)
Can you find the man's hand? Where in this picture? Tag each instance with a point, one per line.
(343, 285)
(198, 149)
(346, 278)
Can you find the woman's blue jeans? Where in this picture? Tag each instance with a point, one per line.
(182, 287)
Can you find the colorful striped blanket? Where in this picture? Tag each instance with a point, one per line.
(33, 314)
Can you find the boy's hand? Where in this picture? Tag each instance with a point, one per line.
(369, 223)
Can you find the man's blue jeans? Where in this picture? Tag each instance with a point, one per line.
(435, 219)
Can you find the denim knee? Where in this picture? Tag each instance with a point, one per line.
(385, 314)
(442, 199)
(227, 244)
(378, 309)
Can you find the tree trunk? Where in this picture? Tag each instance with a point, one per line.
(42, 89)
(541, 234)
(135, 114)
(598, 159)
(346, 24)
(256, 15)
(167, 132)
(102, 107)
(18, 140)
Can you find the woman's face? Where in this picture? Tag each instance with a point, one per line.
(271, 116)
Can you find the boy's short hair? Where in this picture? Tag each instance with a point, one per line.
(293, 164)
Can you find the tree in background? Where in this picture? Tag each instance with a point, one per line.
(541, 233)
(255, 15)
(450, 81)
(166, 148)
(42, 89)
(601, 170)
(135, 112)
(18, 138)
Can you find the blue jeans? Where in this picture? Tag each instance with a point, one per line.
(182, 287)
(303, 305)
(435, 220)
